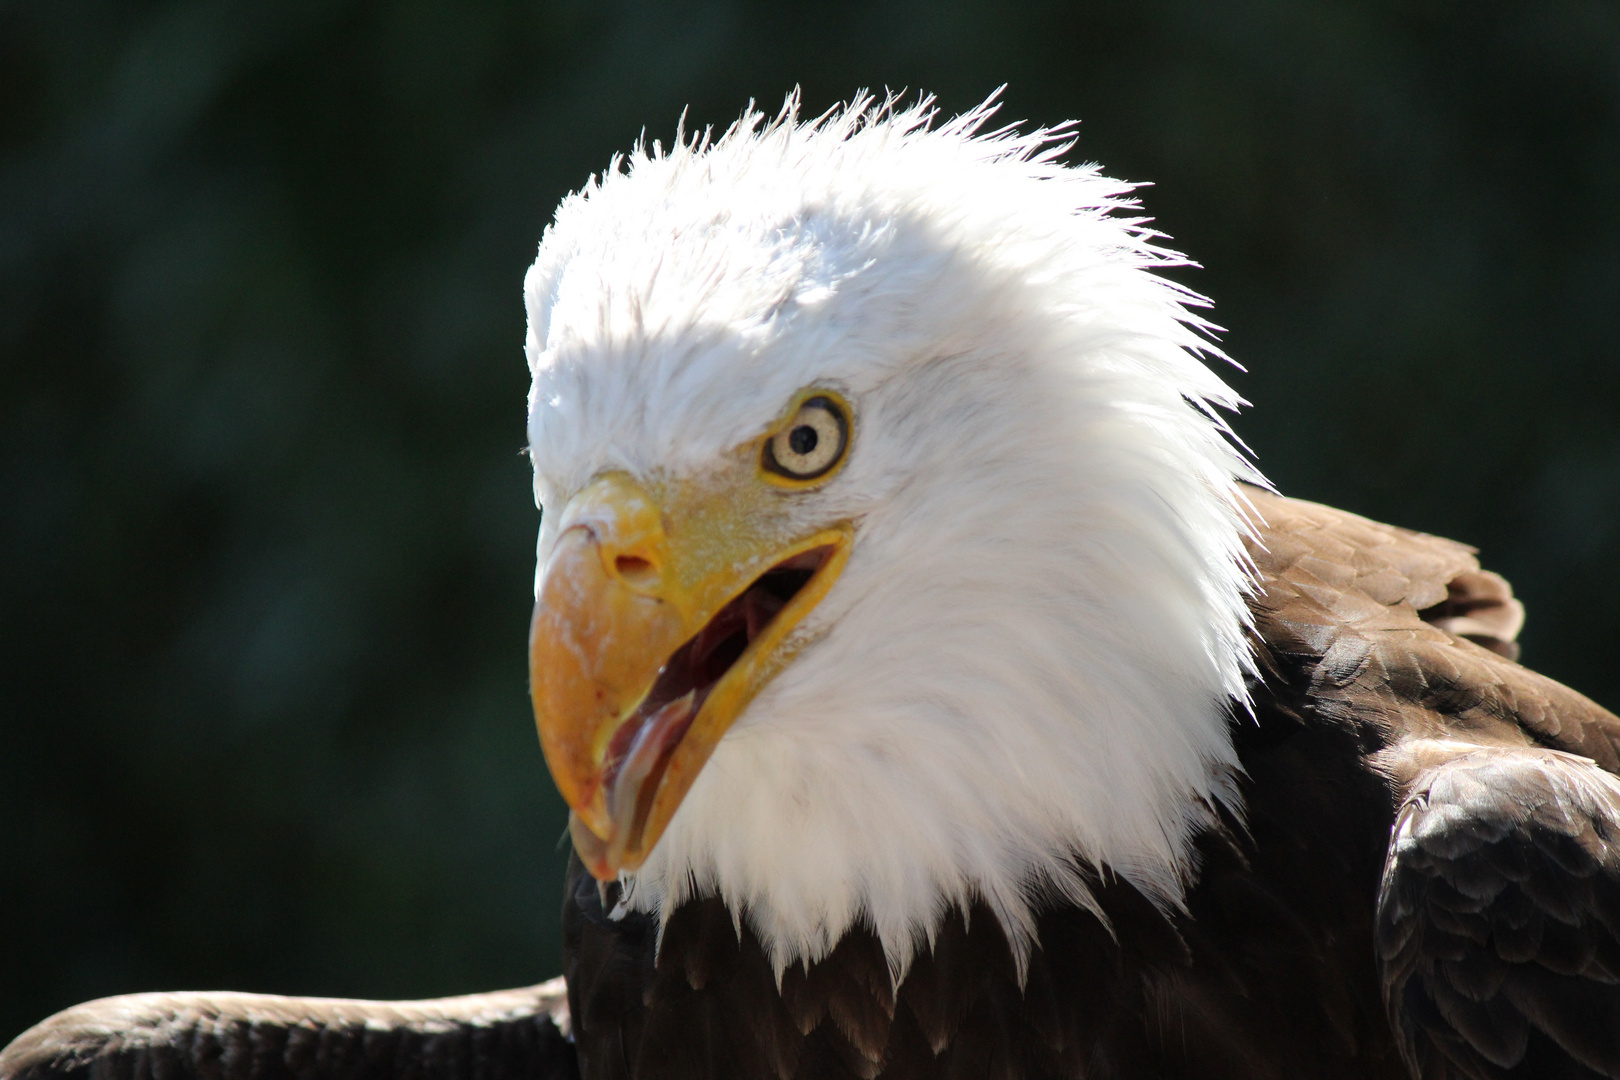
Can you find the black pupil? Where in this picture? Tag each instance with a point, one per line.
(803, 439)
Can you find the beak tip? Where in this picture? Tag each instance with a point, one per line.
(592, 849)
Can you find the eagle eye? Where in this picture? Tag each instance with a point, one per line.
(811, 444)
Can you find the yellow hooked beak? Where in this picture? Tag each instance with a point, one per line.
(657, 622)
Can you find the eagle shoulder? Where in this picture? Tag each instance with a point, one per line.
(1498, 914)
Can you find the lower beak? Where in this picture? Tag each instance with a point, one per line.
(648, 640)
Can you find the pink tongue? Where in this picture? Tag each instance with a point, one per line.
(657, 736)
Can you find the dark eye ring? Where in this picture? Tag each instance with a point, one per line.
(811, 443)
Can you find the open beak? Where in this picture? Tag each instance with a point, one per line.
(653, 630)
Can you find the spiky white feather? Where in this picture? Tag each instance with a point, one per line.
(1023, 676)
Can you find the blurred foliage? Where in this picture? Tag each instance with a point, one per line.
(265, 536)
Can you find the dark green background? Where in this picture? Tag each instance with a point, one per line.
(265, 537)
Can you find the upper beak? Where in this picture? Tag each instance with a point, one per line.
(653, 629)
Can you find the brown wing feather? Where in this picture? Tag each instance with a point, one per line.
(505, 1035)
(1404, 631)
(1499, 912)
(1499, 917)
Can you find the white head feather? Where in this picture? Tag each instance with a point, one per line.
(1024, 673)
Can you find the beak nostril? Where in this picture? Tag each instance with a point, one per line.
(635, 570)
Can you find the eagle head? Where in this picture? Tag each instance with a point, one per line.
(891, 554)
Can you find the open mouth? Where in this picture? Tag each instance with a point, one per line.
(640, 749)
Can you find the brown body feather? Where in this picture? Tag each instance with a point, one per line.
(1426, 883)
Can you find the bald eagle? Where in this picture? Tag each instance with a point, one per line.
(938, 689)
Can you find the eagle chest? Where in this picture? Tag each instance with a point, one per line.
(1250, 981)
